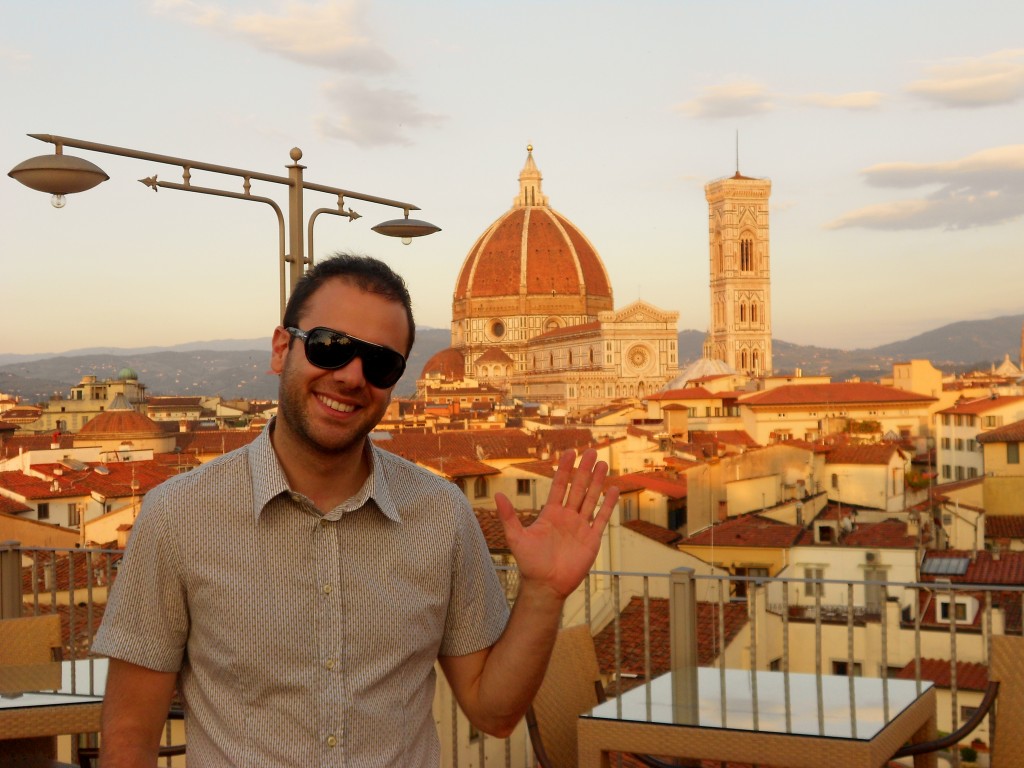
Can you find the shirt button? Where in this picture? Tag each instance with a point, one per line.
(330, 663)
(332, 741)
(327, 589)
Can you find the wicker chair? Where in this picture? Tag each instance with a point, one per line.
(30, 654)
(571, 686)
(1006, 682)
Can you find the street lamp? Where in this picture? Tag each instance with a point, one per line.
(59, 175)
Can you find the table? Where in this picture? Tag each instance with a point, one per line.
(42, 715)
(799, 721)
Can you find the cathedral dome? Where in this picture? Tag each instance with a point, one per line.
(531, 261)
(448, 364)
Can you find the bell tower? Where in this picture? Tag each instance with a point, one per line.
(740, 266)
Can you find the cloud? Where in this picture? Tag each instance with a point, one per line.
(861, 100)
(983, 81)
(330, 34)
(983, 189)
(369, 116)
(738, 99)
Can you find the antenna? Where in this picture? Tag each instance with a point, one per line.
(737, 151)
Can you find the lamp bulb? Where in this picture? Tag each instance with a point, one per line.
(406, 240)
(58, 201)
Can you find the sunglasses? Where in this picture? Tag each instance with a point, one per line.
(331, 350)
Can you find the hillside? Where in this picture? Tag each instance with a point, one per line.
(239, 368)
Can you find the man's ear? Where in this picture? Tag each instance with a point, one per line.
(279, 349)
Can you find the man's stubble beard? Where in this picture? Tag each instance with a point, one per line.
(295, 416)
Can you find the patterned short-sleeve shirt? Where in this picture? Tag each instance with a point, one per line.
(304, 639)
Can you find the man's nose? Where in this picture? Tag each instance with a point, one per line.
(351, 373)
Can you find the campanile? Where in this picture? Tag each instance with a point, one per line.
(740, 266)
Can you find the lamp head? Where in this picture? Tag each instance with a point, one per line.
(58, 174)
(406, 228)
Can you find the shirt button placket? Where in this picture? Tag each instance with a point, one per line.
(330, 688)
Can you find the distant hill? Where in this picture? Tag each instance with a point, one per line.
(239, 367)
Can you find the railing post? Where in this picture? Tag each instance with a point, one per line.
(683, 641)
(10, 579)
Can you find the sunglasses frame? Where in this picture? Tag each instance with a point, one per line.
(366, 351)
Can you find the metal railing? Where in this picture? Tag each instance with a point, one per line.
(916, 630)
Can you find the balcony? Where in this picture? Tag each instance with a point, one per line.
(918, 630)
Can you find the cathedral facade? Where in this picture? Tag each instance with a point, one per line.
(533, 315)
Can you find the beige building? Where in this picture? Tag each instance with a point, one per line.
(88, 399)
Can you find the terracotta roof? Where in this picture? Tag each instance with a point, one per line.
(970, 676)
(120, 424)
(485, 445)
(833, 395)
(652, 531)
(113, 480)
(1008, 433)
(872, 453)
(686, 393)
(986, 569)
(494, 355)
(738, 437)
(214, 441)
(631, 628)
(12, 507)
(751, 530)
(890, 534)
(494, 534)
(1004, 526)
(448, 363)
(170, 401)
(983, 404)
(658, 482)
(79, 569)
(458, 466)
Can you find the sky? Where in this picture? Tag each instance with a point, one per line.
(891, 133)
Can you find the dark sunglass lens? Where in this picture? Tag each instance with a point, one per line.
(385, 368)
(328, 349)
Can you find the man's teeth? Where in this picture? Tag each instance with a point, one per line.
(335, 405)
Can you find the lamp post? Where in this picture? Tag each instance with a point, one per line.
(60, 175)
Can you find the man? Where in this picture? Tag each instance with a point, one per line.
(298, 591)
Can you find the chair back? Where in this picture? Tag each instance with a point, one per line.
(1007, 668)
(567, 691)
(30, 651)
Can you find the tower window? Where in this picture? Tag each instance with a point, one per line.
(746, 255)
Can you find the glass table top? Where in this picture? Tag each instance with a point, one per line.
(771, 702)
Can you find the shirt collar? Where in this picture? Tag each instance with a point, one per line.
(269, 480)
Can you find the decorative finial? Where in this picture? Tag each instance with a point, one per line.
(529, 147)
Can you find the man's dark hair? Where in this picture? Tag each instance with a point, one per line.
(365, 272)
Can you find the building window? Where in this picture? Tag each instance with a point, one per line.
(43, 511)
(523, 487)
(960, 610)
(947, 472)
(1013, 453)
(480, 487)
(946, 443)
(959, 444)
(746, 255)
(815, 588)
(73, 517)
(972, 445)
(960, 474)
(966, 713)
(972, 472)
(835, 480)
(843, 668)
(945, 419)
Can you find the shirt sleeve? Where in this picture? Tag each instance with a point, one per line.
(478, 609)
(146, 619)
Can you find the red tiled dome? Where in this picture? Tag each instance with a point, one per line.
(531, 261)
(448, 363)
